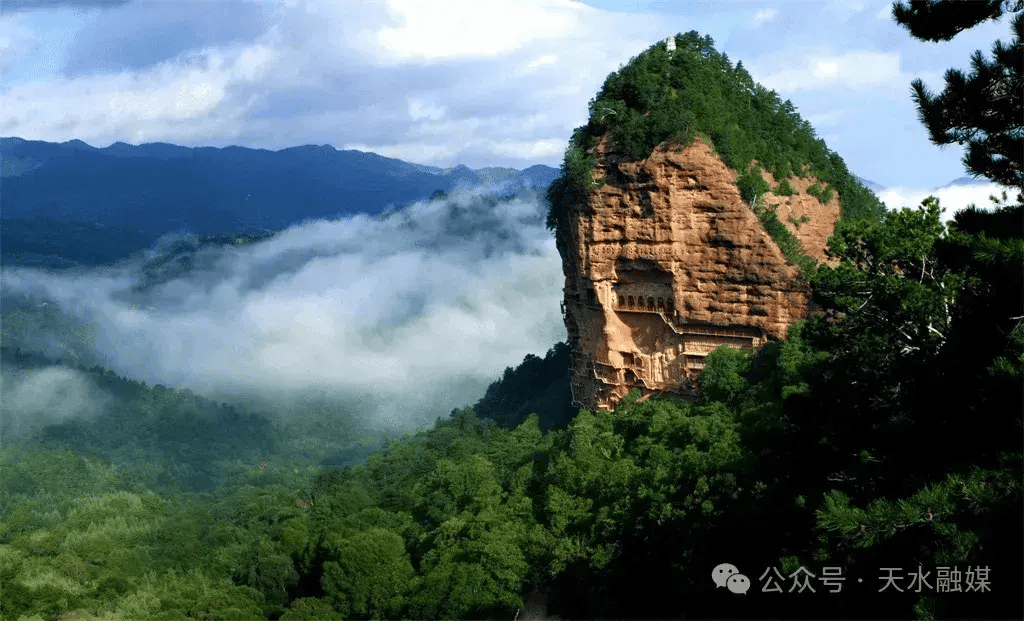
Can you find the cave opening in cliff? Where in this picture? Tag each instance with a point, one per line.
(641, 270)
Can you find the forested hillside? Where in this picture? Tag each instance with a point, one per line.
(537, 386)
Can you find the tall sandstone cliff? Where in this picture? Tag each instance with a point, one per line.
(666, 262)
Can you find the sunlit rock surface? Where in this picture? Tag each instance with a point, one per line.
(666, 262)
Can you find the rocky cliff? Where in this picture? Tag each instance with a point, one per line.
(665, 262)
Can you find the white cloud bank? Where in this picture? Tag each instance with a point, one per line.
(764, 16)
(951, 199)
(432, 31)
(410, 316)
(165, 100)
(856, 71)
(49, 396)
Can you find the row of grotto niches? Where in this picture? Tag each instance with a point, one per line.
(638, 302)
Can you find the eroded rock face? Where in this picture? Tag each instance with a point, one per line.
(667, 262)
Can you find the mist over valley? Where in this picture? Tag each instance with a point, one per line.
(379, 323)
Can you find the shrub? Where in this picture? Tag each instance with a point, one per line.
(784, 171)
(784, 189)
(790, 246)
(822, 193)
(752, 184)
(798, 221)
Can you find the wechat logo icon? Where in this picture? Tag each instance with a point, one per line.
(728, 576)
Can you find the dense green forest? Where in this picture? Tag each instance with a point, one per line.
(537, 386)
(883, 432)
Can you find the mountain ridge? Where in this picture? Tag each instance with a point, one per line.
(160, 188)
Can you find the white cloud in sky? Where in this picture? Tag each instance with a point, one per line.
(952, 199)
(146, 105)
(16, 39)
(764, 16)
(419, 109)
(547, 59)
(853, 70)
(432, 31)
(416, 313)
(827, 119)
(531, 149)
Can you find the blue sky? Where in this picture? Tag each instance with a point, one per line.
(497, 83)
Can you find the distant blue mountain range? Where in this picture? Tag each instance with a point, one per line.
(158, 188)
(965, 181)
(871, 185)
(958, 182)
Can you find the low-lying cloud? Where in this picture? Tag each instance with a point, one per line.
(408, 315)
(35, 398)
(952, 198)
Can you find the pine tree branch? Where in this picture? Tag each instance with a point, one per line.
(941, 20)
